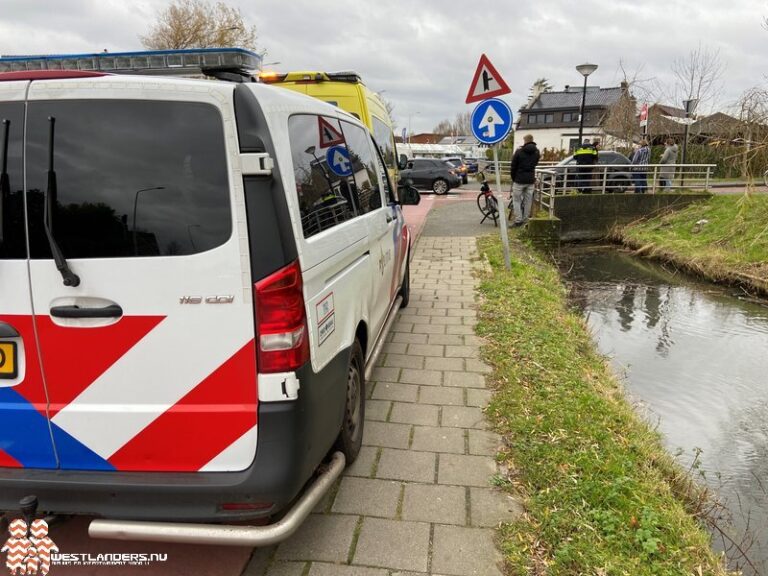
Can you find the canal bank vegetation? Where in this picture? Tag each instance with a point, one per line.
(724, 239)
(602, 496)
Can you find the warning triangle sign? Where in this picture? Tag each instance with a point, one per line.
(329, 134)
(487, 82)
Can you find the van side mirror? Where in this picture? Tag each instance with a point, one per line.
(409, 196)
(402, 163)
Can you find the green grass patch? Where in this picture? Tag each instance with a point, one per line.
(601, 493)
(731, 245)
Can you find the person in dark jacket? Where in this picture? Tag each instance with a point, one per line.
(586, 157)
(523, 171)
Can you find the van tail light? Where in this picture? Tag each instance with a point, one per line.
(281, 321)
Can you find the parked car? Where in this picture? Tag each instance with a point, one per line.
(461, 167)
(472, 165)
(432, 173)
(617, 179)
(190, 341)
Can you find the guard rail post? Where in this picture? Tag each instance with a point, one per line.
(605, 179)
(655, 178)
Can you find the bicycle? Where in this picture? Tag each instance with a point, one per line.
(488, 204)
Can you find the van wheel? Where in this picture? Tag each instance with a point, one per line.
(440, 186)
(405, 287)
(351, 436)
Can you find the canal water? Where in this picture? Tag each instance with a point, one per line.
(695, 358)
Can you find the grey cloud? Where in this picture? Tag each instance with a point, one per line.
(422, 55)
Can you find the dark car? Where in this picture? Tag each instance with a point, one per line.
(617, 179)
(462, 169)
(431, 173)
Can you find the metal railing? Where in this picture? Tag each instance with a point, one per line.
(619, 178)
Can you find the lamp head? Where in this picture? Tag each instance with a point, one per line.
(310, 150)
(586, 69)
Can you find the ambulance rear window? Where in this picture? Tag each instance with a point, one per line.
(134, 178)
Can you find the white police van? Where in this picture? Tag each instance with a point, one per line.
(196, 277)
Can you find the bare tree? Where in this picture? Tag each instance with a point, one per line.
(621, 123)
(752, 133)
(462, 125)
(444, 128)
(698, 76)
(199, 24)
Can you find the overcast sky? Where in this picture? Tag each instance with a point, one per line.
(421, 55)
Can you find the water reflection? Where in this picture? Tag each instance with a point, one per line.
(695, 356)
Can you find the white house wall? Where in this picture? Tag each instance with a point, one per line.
(556, 138)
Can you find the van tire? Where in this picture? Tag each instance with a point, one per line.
(351, 435)
(405, 287)
(440, 186)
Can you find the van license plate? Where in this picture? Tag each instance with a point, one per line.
(8, 367)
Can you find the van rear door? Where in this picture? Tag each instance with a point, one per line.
(25, 438)
(149, 362)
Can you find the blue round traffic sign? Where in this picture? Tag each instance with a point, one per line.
(338, 160)
(491, 121)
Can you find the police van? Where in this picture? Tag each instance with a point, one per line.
(196, 279)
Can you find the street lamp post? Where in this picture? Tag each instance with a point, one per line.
(585, 70)
(690, 110)
(135, 207)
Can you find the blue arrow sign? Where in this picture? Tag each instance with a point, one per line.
(338, 160)
(491, 121)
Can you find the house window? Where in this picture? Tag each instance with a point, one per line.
(570, 116)
(541, 118)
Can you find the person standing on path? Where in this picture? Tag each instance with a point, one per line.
(586, 157)
(640, 173)
(667, 174)
(523, 170)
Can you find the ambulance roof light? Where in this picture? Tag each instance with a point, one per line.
(209, 61)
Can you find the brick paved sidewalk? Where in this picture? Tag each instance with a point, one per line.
(418, 500)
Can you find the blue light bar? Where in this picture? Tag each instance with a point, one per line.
(177, 62)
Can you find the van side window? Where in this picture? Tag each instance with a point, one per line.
(13, 244)
(134, 178)
(367, 187)
(384, 139)
(322, 168)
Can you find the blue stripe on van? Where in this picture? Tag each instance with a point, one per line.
(26, 436)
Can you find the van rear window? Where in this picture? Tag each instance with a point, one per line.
(13, 244)
(134, 178)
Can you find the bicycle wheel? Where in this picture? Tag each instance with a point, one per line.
(482, 204)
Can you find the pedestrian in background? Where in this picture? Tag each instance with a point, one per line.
(586, 158)
(640, 173)
(667, 173)
(523, 171)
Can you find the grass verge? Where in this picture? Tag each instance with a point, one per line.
(731, 246)
(602, 495)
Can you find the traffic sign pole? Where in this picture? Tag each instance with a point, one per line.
(502, 209)
(491, 121)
